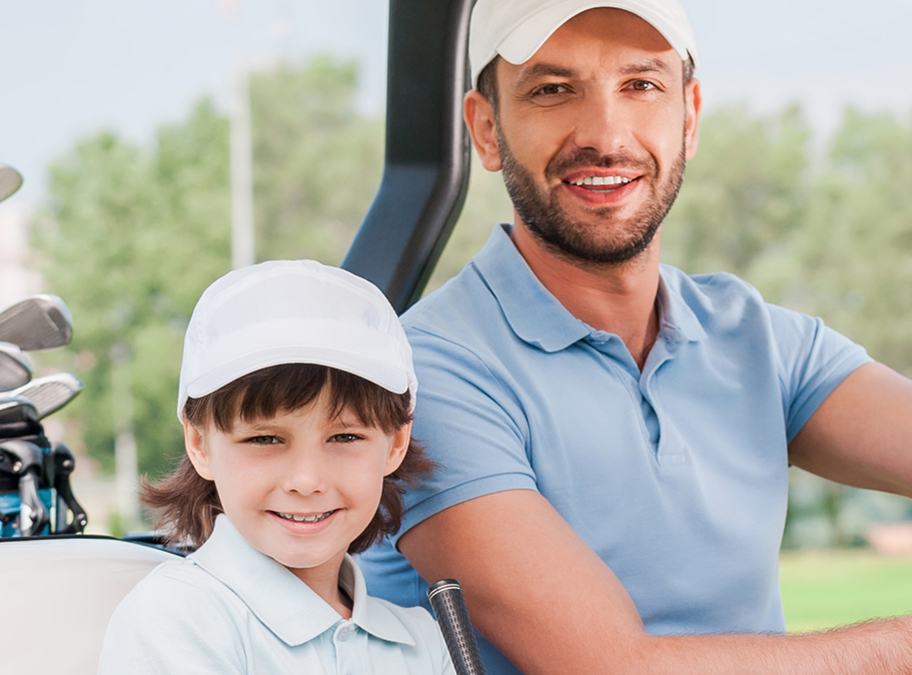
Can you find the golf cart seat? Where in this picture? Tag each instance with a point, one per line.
(57, 596)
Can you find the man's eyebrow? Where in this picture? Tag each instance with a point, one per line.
(539, 70)
(648, 66)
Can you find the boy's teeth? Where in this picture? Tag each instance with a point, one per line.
(601, 180)
(305, 519)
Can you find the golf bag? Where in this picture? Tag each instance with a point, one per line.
(35, 481)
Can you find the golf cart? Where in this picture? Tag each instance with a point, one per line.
(60, 587)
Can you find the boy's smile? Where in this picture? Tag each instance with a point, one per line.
(301, 486)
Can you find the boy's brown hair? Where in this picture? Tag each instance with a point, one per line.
(186, 504)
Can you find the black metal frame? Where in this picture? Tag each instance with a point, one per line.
(426, 172)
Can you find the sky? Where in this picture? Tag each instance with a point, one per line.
(74, 67)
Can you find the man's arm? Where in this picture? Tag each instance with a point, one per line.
(550, 604)
(861, 435)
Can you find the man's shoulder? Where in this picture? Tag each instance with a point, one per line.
(719, 301)
(699, 288)
(456, 311)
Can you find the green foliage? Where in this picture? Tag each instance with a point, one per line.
(745, 192)
(317, 161)
(854, 252)
(133, 239)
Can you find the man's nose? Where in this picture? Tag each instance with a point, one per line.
(602, 124)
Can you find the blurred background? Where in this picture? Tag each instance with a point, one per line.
(123, 118)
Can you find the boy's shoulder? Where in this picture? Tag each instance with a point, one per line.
(178, 588)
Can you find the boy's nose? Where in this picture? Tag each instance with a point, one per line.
(304, 473)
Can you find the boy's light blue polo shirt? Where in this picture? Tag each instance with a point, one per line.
(230, 609)
(676, 476)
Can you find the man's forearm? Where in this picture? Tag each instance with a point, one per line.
(552, 607)
(875, 648)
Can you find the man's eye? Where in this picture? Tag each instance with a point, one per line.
(551, 90)
(642, 85)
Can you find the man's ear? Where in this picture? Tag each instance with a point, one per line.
(195, 443)
(693, 105)
(398, 448)
(482, 123)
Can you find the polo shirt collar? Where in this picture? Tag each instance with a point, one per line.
(284, 603)
(525, 300)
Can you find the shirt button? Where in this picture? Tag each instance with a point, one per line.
(345, 633)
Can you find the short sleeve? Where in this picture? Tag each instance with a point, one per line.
(166, 626)
(472, 426)
(813, 360)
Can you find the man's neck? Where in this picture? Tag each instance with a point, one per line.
(619, 299)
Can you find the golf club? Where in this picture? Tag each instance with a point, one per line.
(50, 393)
(36, 323)
(446, 598)
(15, 369)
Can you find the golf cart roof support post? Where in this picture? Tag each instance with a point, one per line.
(426, 172)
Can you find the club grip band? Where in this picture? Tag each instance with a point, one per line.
(449, 606)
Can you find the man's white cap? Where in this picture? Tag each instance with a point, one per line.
(516, 29)
(293, 311)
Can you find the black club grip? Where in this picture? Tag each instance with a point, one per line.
(449, 606)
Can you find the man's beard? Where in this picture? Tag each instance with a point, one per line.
(575, 239)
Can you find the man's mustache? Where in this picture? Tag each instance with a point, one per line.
(589, 158)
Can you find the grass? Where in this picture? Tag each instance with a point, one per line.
(825, 589)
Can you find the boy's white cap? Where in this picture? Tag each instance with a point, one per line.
(293, 311)
(516, 29)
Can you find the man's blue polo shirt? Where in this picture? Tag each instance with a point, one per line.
(676, 476)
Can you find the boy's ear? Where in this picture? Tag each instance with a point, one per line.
(195, 443)
(398, 448)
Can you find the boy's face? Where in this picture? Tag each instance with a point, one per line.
(301, 486)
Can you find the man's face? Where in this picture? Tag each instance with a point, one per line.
(592, 135)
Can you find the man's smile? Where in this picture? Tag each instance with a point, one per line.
(600, 181)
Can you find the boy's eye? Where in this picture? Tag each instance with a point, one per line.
(263, 440)
(344, 438)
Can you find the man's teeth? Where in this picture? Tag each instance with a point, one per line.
(305, 519)
(601, 180)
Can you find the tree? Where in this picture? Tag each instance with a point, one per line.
(132, 240)
(317, 160)
(745, 193)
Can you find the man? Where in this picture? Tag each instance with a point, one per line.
(614, 436)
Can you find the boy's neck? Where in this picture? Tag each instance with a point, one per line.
(325, 583)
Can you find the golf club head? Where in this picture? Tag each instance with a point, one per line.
(14, 409)
(50, 393)
(15, 369)
(10, 181)
(36, 323)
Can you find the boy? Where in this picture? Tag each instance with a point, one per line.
(296, 392)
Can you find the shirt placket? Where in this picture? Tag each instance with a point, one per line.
(347, 641)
